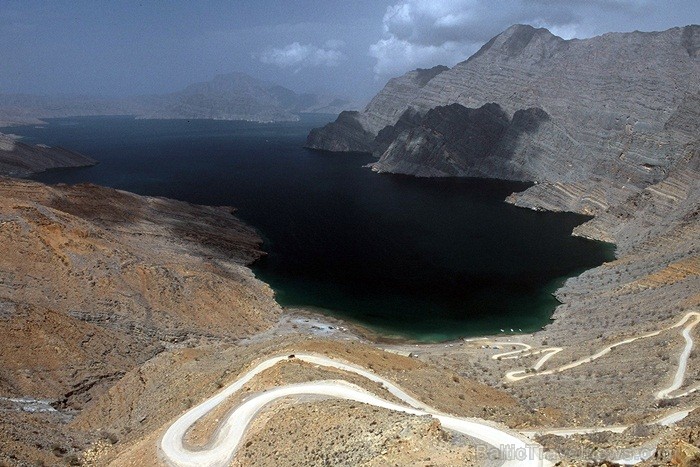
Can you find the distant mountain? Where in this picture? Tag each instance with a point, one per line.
(237, 96)
(29, 108)
(234, 96)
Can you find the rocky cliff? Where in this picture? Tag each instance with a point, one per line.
(355, 131)
(614, 105)
(344, 135)
(19, 159)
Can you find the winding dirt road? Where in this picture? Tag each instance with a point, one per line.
(682, 361)
(690, 320)
(634, 455)
(516, 450)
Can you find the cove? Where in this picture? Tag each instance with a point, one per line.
(418, 259)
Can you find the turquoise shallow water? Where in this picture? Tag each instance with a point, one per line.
(424, 259)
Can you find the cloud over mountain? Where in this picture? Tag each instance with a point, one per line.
(423, 33)
(297, 55)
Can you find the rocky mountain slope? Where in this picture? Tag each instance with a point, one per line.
(453, 138)
(620, 111)
(94, 282)
(19, 159)
(233, 96)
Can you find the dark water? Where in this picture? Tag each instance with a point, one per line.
(427, 259)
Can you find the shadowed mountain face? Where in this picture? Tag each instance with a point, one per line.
(346, 134)
(454, 140)
(613, 101)
(355, 131)
(233, 96)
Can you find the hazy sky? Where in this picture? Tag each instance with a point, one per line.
(345, 47)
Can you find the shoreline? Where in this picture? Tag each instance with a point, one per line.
(358, 330)
(373, 337)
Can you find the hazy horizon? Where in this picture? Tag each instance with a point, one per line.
(348, 49)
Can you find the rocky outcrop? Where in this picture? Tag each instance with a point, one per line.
(344, 135)
(19, 159)
(355, 132)
(685, 455)
(388, 106)
(620, 110)
(409, 120)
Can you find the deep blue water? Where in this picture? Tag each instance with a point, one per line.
(427, 259)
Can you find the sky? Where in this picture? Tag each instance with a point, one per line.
(347, 48)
